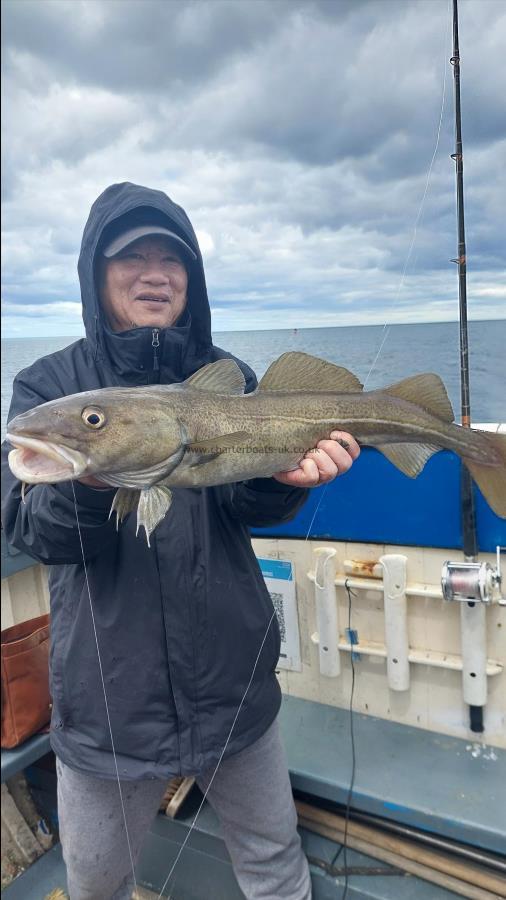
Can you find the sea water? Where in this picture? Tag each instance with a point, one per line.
(378, 355)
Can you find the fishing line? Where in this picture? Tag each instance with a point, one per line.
(344, 845)
(183, 845)
(384, 335)
(194, 822)
(192, 826)
(322, 495)
(386, 328)
(104, 690)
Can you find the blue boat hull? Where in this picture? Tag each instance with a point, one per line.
(375, 503)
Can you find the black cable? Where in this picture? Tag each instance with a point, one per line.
(338, 854)
(353, 754)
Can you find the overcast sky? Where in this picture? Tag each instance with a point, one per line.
(297, 135)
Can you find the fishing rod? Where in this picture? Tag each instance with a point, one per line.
(461, 247)
(468, 514)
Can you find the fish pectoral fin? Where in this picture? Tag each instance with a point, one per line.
(427, 391)
(221, 377)
(213, 447)
(295, 371)
(125, 501)
(154, 503)
(409, 458)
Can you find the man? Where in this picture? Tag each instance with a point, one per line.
(182, 627)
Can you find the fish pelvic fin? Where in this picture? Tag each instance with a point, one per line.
(427, 391)
(125, 501)
(491, 479)
(221, 377)
(154, 503)
(295, 371)
(409, 458)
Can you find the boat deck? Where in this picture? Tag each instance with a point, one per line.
(205, 863)
(409, 775)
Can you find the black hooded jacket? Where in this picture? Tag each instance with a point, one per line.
(180, 625)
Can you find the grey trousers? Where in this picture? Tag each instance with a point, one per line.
(251, 795)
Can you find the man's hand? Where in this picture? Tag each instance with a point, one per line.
(330, 458)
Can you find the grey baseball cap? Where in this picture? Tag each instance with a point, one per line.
(132, 234)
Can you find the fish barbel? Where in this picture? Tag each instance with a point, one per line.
(206, 431)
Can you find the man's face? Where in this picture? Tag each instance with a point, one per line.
(144, 285)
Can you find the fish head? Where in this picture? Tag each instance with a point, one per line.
(92, 433)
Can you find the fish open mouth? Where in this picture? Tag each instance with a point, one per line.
(37, 462)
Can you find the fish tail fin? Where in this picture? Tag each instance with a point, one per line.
(491, 479)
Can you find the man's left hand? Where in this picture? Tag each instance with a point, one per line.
(329, 459)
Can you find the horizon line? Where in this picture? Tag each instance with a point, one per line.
(292, 328)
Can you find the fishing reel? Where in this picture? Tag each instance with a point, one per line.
(473, 582)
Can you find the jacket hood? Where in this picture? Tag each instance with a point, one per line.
(124, 351)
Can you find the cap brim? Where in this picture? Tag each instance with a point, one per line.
(133, 234)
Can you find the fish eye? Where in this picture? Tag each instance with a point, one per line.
(93, 417)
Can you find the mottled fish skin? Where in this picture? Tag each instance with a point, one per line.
(282, 427)
(207, 432)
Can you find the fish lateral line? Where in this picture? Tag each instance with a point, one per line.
(215, 434)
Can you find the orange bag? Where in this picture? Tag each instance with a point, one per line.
(26, 703)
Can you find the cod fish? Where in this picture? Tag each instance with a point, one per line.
(206, 432)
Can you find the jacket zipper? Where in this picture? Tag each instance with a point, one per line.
(155, 343)
(171, 687)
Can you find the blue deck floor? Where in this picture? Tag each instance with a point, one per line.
(204, 871)
(409, 775)
(416, 777)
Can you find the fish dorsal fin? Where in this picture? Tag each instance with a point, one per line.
(221, 377)
(409, 458)
(427, 391)
(295, 371)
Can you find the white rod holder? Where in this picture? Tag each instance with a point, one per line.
(396, 621)
(473, 622)
(327, 619)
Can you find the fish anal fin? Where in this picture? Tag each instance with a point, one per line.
(409, 458)
(295, 371)
(221, 377)
(125, 501)
(491, 479)
(426, 390)
(154, 503)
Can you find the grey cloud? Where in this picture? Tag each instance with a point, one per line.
(364, 88)
(298, 135)
(315, 82)
(130, 46)
(63, 125)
